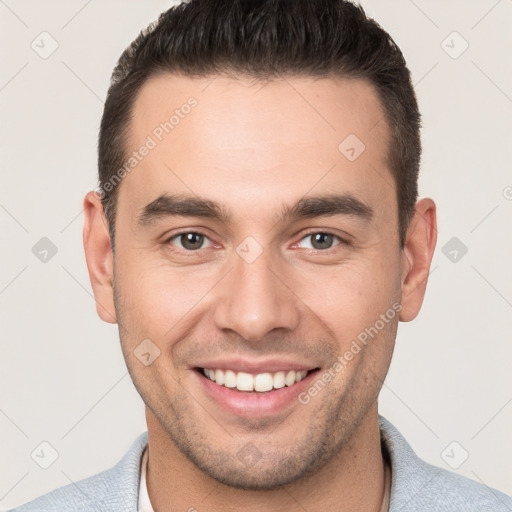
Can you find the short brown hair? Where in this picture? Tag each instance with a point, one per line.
(266, 39)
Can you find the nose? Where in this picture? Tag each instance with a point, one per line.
(254, 299)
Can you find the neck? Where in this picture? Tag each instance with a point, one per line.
(352, 480)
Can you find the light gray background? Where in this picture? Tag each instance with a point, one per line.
(63, 377)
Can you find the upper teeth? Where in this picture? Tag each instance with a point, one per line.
(260, 382)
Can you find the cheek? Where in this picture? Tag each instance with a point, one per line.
(351, 297)
(157, 301)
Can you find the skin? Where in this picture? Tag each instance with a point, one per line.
(254, 147)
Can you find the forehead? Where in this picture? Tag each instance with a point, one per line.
(241, 140)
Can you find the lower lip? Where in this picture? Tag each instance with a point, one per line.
(254, 404)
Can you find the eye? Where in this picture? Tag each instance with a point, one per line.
(321, 240)
(189, 241)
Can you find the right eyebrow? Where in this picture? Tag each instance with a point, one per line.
(168, 205)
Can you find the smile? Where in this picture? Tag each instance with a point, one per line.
(260, 382)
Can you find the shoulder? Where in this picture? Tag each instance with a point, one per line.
(113, 489)
(418, 486)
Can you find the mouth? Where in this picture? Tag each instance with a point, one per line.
(257, 395)
(250, 383)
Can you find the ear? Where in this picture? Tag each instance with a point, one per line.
(420, 242)
(99, 257)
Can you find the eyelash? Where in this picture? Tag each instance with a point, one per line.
(342, 241)
(187, 252)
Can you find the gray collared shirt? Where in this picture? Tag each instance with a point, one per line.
(415, 485)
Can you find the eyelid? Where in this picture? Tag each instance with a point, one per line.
(314, 231)
(169, 239)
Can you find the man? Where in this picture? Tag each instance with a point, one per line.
(257, 237)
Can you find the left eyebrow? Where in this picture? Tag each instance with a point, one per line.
(327, 205)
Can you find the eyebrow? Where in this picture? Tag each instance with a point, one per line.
(181, 205)
(172, 205)
(327, 205)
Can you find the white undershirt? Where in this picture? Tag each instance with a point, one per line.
(144, 501)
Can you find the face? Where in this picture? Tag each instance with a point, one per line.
(252, 246)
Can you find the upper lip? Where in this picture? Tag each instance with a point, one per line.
(255, 367)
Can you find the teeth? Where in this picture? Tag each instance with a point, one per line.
(278, 380)
(290, 378)
(229, 379)
(244, 382)
(219, 376)
(261, 382)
